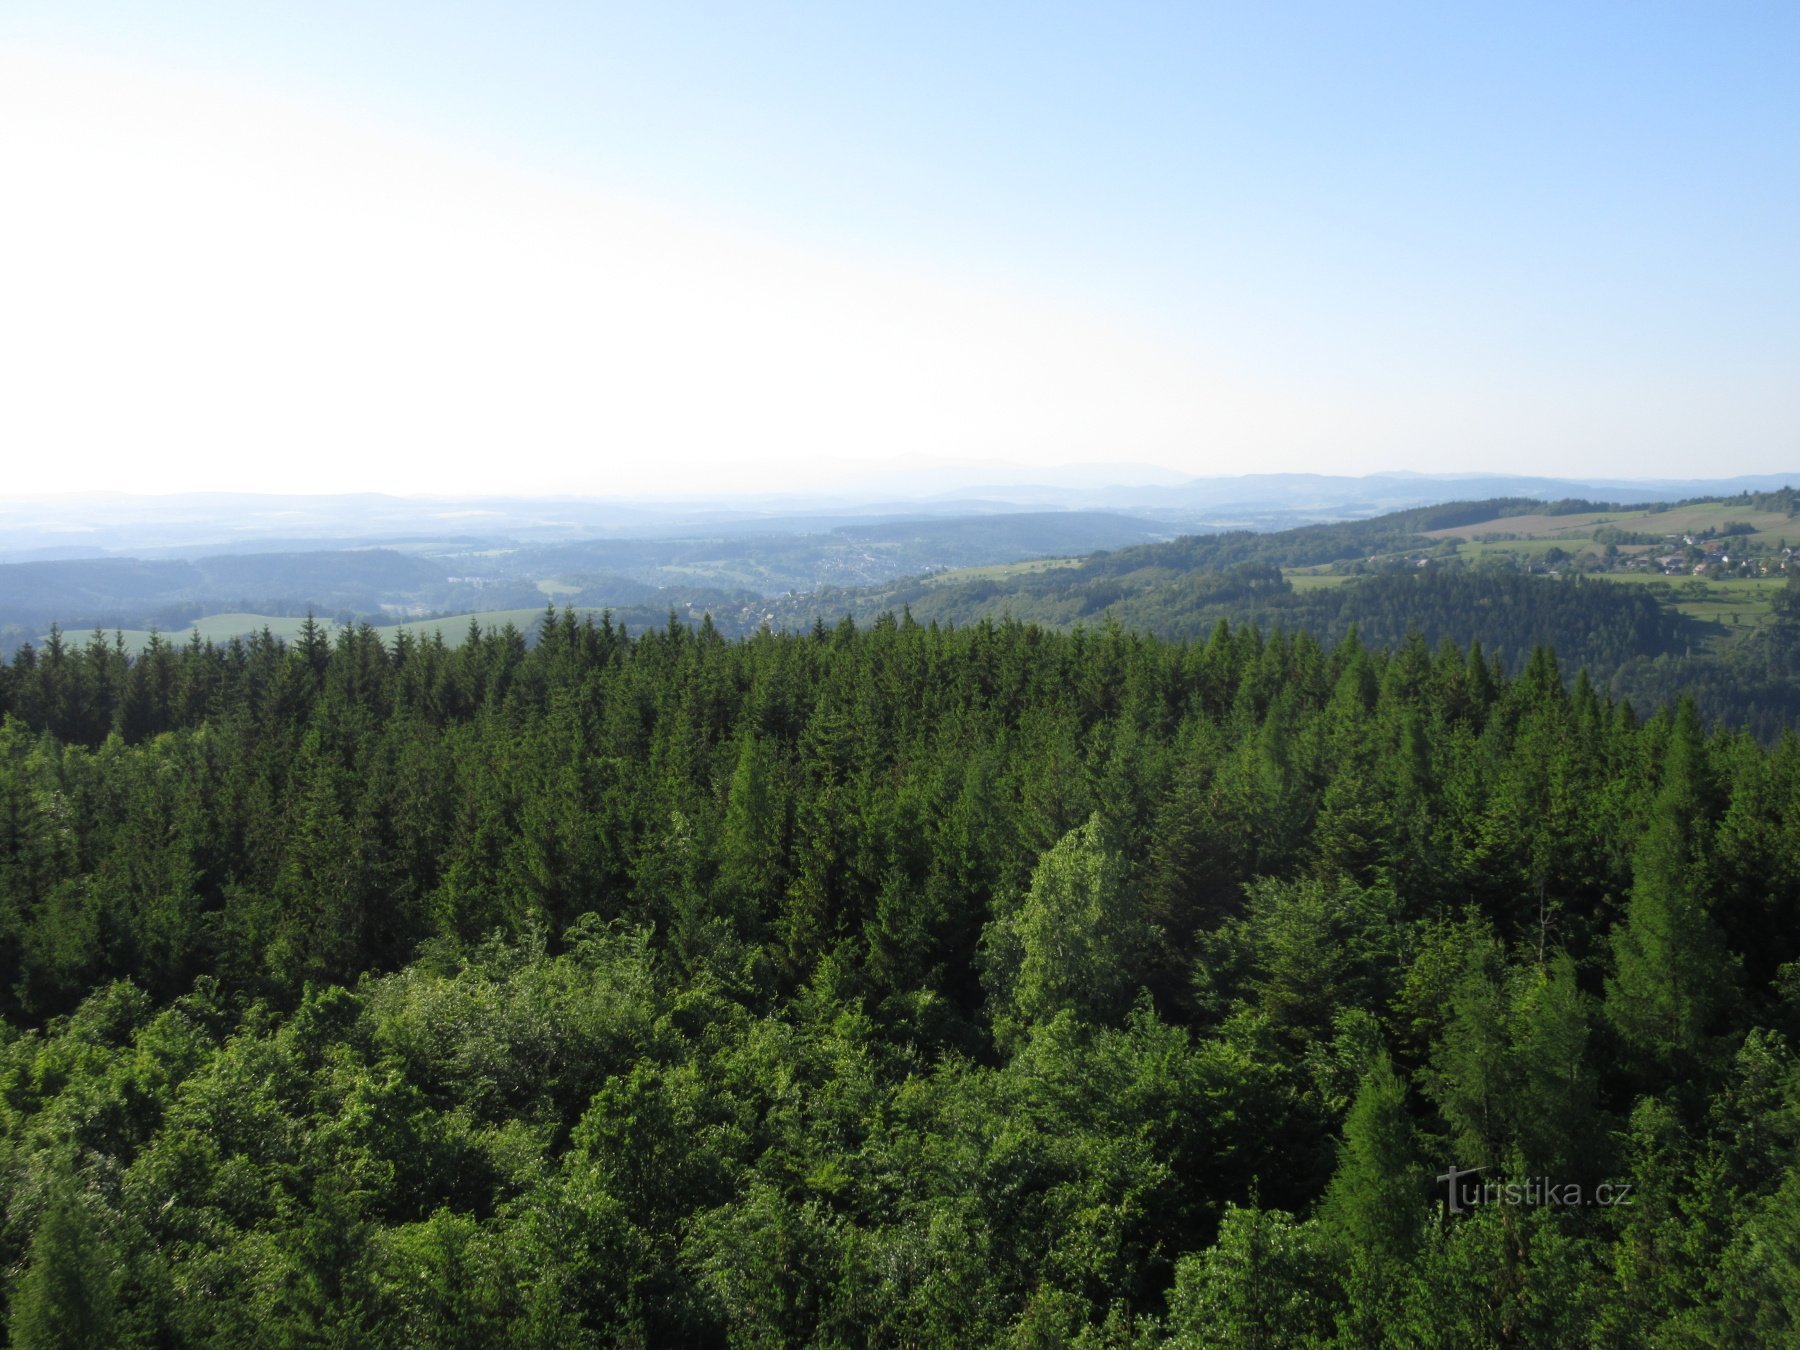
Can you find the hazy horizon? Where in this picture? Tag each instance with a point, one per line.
(569, 249)
(921, 479)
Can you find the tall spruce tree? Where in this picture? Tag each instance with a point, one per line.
(1072, 942)
(66, 1299)
(1672, 974)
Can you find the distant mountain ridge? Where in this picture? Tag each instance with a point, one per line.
(114, 524)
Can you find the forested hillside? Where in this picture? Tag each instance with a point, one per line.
(888, 986)
(1593, 622)
(1456, 571)
(1399, 575)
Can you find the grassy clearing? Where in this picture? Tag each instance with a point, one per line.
(1527, 548)
(219, 628)
(1715, 514)
(1002, 571)
(1640, 578)
(1545, 527)
(1771, 525)
(1737, 607)
(1315, 581)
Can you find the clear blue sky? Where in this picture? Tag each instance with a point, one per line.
(1532, 236)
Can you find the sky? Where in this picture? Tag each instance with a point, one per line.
(675, 249)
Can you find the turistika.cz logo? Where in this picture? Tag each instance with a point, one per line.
(1464, 1191)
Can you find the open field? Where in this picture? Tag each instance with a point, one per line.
(1680, 520)
(1713, 515)
(1738, 607)
(1001, 571)
(1542, 526)
(212, 628)
(1529, 548)
(1314, 581)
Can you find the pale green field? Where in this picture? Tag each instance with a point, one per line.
(1772, 524)
(1566, 530)
(716, 574)
(1315, 581)
(551, 586)
(1740, 607)
(220, 628)
(1541, 526)
(1001, 571)
(1527, 547)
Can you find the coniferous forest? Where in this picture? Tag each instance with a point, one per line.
(890, 984)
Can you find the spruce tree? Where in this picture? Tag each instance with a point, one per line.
(1375, 1203)
(1472, 1074)
(1073, 940)
(1556, 1107)
(1374, 1209)
(1672, 975)
(66, 1299)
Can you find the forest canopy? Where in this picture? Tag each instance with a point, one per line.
(888, 984)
